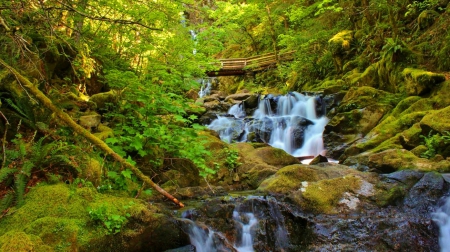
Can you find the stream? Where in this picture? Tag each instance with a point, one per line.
(414, 219)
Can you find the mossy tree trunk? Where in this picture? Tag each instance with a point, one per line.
(82, 131)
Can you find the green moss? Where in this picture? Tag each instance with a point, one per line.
(389, 128)
(58, 215)
(390, 196)
(419, 82)
(426, 18)
(404, 104)
(324, 195)
(437, 120)
(288, 179)
(104, 132)
(22, 242)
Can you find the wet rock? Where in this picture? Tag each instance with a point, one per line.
(238, 97)
(207, 118)
(407, 177)
(192, 94)
(426, 193)
(187, 248)
(319, 159)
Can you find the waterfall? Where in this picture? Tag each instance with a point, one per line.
(442, 218)
(288, 122)
(205, 88)
(245, 223)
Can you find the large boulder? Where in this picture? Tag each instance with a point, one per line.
(398, 159)
(74, 218)
(419, 82)
(436, 121)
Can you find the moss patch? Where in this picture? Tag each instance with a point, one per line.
(419, 82)
(289, 178)
(324, 195)
(58, 215)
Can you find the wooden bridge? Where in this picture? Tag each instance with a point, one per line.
(241, 66)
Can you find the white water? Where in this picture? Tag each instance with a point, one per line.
(246, 222)
(283, 123)
(201, 238)
(442, 218)
(206, 87)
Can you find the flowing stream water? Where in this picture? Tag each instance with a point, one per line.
(289, 122)
(442, 218)
(257, 223)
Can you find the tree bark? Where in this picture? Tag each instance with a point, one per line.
(82, 131)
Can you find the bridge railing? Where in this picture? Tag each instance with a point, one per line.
(252, 63)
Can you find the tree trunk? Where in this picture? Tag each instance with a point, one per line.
(82, 131)
(273, 35)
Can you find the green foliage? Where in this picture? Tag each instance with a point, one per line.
(232, 157)
(432, 142)
(328, 5)
(24, 158)
(152, 118)
(112, 222)
(392, 46)
(419, 6)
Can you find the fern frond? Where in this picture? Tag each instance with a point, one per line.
(16, 108)
(20, 184)
(7, 201)
(5, 173)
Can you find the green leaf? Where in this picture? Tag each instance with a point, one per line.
(127, 173)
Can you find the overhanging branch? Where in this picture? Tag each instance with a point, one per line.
(110, 20)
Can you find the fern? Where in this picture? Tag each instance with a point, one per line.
(7, 201)
(20, 185)
(5, 173)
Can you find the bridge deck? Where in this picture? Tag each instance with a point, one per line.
(240, 66)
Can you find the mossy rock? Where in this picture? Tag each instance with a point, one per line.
(384, 131)
(426, 19)
(275, 156)
(419, 82)
(339, 46)
(18, 241)
(92, 171)
(289, 178)
(106, 99)
(59, 216)
(103, 132)
(419, 150)
(323, 196)
(401, 159)
(437, 121)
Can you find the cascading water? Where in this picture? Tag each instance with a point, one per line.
(442, 218)
(288, 122)
(205, 88)
(245, 223)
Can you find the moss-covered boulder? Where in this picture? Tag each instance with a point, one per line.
(103, 100)
(324, 195)
(290, 178)
(399, 159)
(426, 19)
(419, 82)
(103, 132)
(245, 165)
(340, 45)
(70, 218)
(437, 121)
(18, 241)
